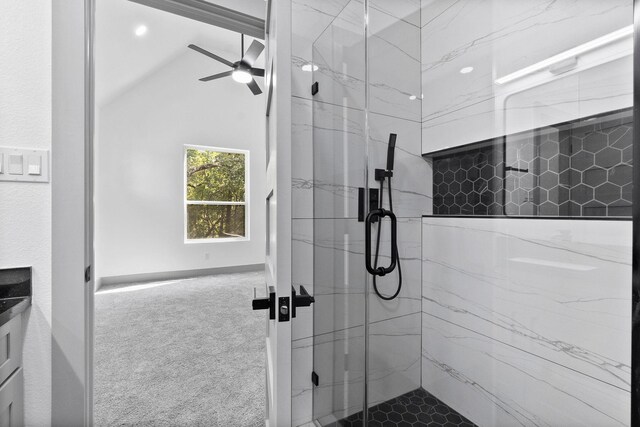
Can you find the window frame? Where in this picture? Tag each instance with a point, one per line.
(186, 202)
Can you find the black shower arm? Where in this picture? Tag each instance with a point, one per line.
(372, 217)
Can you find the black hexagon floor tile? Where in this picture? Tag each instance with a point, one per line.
(416, 408)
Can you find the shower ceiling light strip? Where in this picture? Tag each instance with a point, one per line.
(567, 54)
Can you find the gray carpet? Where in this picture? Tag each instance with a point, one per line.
(185, 353)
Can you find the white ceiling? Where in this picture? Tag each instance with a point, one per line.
(122, 58)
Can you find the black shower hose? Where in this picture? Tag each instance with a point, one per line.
(394, 248)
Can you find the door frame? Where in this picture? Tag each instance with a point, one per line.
(71, 213)
(635, 292)
(72, 187)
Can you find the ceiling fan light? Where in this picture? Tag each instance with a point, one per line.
(241, 76)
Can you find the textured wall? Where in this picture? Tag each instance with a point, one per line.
(140, 169)
(25, 210)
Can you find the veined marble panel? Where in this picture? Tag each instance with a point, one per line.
(339, 363)
(407, 10)
(559, 290)
(496, 384)
(432, 9)
(394, 66)
(410, 250)
(302, 158)
(339, 274)
(412, 180)
(309, 19)
(301, 385)
(499, 37)
(338, 160)
(302, 274)
(339, 53)
(394, 357)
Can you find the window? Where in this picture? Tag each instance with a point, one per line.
(216, 184)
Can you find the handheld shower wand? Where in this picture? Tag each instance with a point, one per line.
(381, 175)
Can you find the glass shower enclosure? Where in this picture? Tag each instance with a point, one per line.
(512, 190)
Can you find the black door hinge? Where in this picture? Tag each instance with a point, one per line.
(314, 378)
(87, 274)
(314, 88)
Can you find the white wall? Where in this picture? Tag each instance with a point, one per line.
(25, 208)
(139, 168)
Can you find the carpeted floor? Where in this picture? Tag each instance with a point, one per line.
(180, 353)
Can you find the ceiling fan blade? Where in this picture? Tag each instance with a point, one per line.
(257, 72)
(210, 55)
(254, 87)
(216, 76)
(252, 54)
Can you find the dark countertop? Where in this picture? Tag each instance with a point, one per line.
(15, 292)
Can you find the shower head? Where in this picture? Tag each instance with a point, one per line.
(391, 150)
(382, 174)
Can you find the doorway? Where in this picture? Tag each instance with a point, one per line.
(178, 224)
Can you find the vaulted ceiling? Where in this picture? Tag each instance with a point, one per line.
(124, 58)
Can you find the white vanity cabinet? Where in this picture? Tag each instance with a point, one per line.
(11, 376)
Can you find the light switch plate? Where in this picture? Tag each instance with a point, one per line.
(24, 165)
(16, 164)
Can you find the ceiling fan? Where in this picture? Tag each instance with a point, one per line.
(242, 70)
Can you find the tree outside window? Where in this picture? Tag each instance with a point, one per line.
(215, 193)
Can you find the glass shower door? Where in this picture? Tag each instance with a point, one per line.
(339, 171)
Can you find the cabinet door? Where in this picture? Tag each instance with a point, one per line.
(11, 401)
(10, 347)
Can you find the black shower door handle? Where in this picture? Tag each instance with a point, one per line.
(373, 216)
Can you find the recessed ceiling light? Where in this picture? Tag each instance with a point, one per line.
(466, 70)
(412, 97)
(309, 67)
(141, 30)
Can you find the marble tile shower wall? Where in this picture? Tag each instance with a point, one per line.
(325, 181)
(527, 321)
(535, 331)
(499, 37)
(581, 168)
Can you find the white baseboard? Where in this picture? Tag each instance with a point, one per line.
(173, 275)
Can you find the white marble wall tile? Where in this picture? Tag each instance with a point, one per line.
(338, 160)
(394, 357)
(500, 37)
(559, 290)
(394, 66)
(301, 385)
(410, 250)
(407, 10)
(339, 274)
(431, 9)
(339, 363)
(412, 180)
(495, 384)
(339, 53)
(302, 158)
(302, 274)
(309, 19)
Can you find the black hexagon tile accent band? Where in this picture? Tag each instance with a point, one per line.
(416, 408)
(578, 169)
